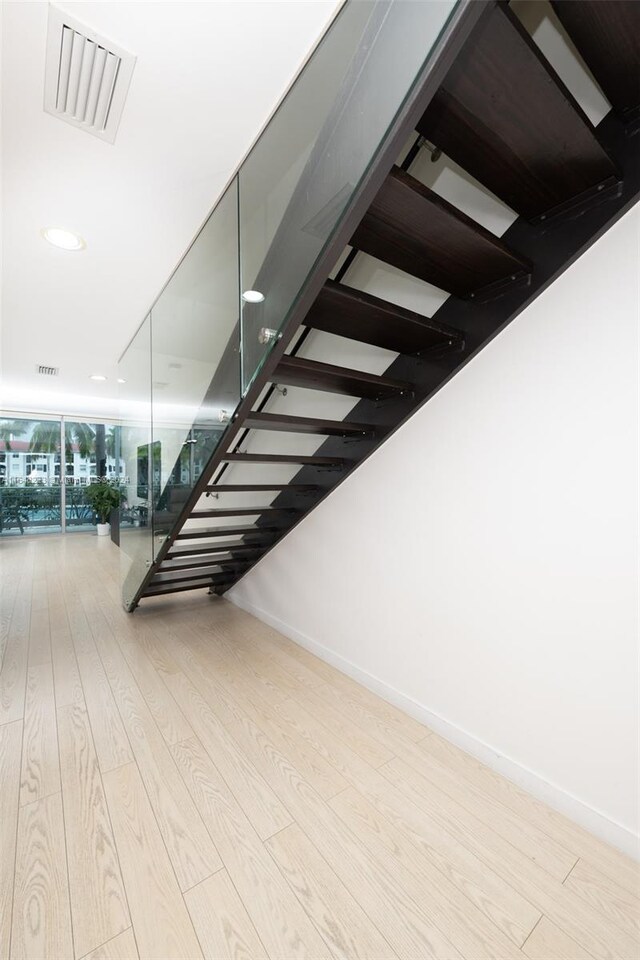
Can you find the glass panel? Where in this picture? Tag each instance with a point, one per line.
(262, 241)
(299, 177)
(29, 476)
(136, 533)
(90, 453)
(195, 362)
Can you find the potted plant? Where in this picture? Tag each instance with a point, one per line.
(103, 497)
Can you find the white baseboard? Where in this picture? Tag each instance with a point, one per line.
(560, 799)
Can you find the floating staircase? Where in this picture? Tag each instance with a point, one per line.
(503, 115)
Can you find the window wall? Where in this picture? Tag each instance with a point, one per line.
(46, 465)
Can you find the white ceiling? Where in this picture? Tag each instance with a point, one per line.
(208, 75)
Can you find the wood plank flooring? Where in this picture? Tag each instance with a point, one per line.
(184, 782)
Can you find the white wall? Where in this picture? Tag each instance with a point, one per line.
(480, 569)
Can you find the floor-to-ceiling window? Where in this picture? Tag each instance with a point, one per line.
(46, 465)
(91, 452)
(30, 488)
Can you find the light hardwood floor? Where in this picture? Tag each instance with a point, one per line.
(185, 782)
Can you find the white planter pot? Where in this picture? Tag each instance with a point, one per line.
(103, 529)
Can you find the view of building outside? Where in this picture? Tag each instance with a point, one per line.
(31, 458)
(42, 485)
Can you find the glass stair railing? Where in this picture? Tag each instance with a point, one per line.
(205, 340)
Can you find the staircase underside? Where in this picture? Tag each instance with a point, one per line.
(501, 113)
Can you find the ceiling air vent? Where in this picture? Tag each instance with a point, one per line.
(86, 78)
(47, 371)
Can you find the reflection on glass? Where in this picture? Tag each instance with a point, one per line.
(195, 363)
(136, 533)
(91, 452)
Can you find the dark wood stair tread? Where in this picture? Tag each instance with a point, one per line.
(350, 313)
(165, 576)
(247, 530)
(607, 35)
(412, 228)
(331, 428)
(232, 547)
(239, 511)
(259, 487)
(298, 372)
(206, 561)
(504, 115)
(283, 458)
(163, 589)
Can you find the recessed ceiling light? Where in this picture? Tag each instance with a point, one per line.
(97, 376)
(64, 239)
(120, 380)
(253, 296)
